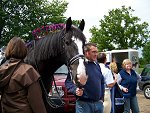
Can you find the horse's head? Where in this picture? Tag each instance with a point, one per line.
(74, 41)
(55, 45)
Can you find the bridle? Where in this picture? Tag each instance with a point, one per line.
(71, 61)
(76, 57)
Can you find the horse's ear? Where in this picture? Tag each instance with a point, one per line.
(82, 24)
(68, 24)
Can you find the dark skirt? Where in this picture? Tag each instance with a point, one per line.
(117, 100)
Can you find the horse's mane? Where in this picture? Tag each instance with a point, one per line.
(52, 44)
(49, 46)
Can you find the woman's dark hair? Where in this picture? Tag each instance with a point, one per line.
(101, 58)
(16, 48)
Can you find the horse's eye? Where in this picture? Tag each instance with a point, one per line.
(67, 43)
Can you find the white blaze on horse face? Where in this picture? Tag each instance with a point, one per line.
(81, 72)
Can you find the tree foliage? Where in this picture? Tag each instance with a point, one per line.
(146, 53)
(20, 17)
(120, 30)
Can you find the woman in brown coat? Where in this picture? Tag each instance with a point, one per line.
(19, 82)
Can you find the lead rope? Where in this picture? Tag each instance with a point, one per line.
(48, 98)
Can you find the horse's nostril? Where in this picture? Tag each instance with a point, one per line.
(67, 43)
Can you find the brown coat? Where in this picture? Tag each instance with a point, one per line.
(21, 90)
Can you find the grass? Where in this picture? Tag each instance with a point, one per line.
(140, 70)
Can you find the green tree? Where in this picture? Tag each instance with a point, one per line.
(141, 62)
(146, 53)
(120, 30)
(20, 17)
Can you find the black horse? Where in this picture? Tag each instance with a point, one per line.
(63, 46)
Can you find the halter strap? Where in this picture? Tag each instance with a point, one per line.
(77, 57)
(72, 60)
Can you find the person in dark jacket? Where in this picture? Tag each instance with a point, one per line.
(116, 93)
(19, 82)
(127, 78)
(89, 98)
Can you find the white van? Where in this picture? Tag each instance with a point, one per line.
(119, 55)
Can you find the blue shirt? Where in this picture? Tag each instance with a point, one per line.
(129, 81)
(94, 87)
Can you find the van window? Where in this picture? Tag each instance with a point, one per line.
(62, 70)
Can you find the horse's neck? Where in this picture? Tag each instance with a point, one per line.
(48, 53)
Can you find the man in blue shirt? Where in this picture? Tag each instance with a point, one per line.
(90, 98)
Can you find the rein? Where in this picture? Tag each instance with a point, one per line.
(49, 99)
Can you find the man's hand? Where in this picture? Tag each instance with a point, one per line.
(79, 92)
(125, 89)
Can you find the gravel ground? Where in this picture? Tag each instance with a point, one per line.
(144, 104)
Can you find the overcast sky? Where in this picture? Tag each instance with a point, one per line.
(94, 10)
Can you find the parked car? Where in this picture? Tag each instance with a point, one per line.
(144, 84)
(67, 97)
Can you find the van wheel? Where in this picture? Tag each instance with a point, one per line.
(147, 91)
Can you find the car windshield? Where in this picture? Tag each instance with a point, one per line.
(62, 70)
(146, 71)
